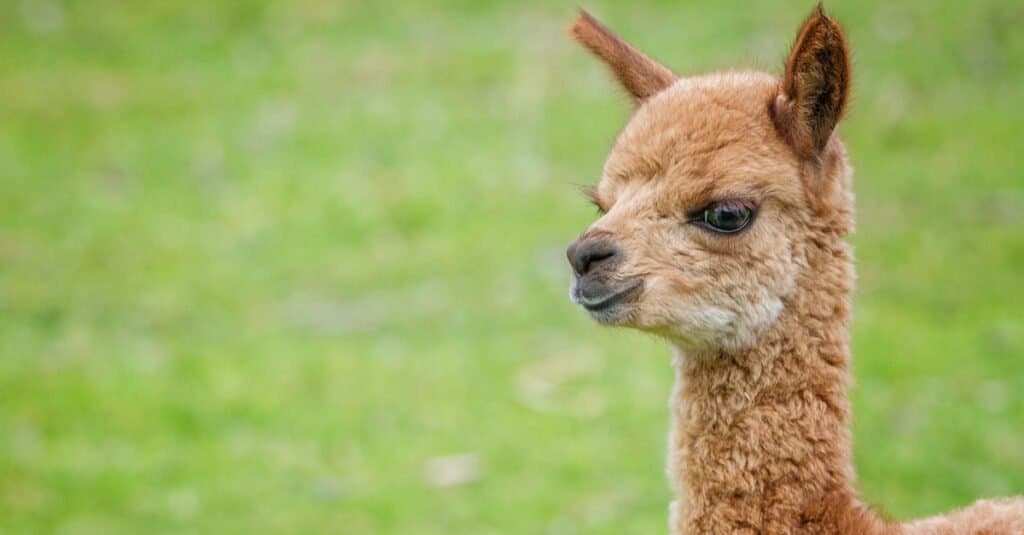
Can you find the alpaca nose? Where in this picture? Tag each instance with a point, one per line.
(586, 253)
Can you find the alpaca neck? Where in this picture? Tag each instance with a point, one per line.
(760, 438)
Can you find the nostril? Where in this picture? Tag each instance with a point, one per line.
(598, 256)
(583, 256)
(591, 258)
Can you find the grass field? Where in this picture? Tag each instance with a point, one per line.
(262, 263)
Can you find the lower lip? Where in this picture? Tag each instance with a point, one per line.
(612, 300)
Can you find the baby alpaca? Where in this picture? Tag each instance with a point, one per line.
(724, 206)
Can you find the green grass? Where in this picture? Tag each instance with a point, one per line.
(259, 263)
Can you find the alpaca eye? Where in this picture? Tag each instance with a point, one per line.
(726, 217)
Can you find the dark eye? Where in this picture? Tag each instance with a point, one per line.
(726, 217)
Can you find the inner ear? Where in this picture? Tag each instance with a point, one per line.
(640, 75)
(815, 86)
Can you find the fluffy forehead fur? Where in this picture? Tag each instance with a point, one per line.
(702, 139)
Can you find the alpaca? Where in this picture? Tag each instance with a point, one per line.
(724, 205)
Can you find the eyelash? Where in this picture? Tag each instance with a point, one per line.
(698, 213)
(590, 192)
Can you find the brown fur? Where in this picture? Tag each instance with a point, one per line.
(758, 319)
(638, 74)
(815, 86)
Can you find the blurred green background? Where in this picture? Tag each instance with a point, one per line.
(298, 266)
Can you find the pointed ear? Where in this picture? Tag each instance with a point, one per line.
(638, 74)
(815, 86)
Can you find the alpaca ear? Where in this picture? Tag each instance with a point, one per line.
(815, 86)
(638, 73)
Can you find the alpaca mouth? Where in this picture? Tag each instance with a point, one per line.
(602, 305)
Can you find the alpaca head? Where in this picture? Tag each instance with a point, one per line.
(713, 191)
